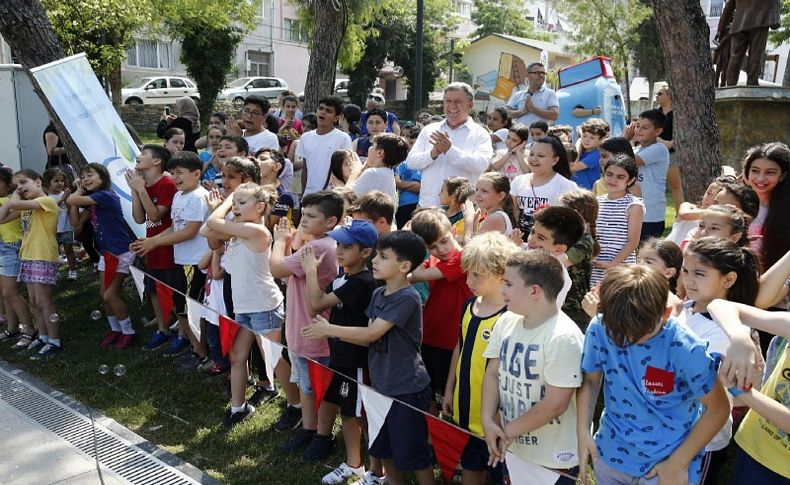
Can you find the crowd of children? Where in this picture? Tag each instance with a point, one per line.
(506, 310)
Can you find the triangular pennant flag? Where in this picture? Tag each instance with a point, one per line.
(227, 333)
(377, 406)
(139, 281)
(320, 378)
(272, 352)
(194, 312)
(110, 268)
(165, 294)
(523, 472)
(448, 444)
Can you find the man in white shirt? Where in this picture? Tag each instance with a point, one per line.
(315, 149)
(536, 101)
(456, 146)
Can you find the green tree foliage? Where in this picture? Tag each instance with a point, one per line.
(503, 17)
(783, 34)
(648, 57)
(361, 13)
(103, 29)
(209, 32)
(384, 31)
(607, 28)
(391, 37)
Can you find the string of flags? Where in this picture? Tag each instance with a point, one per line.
(447, 439)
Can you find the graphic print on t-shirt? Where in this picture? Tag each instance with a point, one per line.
(520, 395)
(658, 381)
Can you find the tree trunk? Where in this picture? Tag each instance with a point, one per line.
(25, 27)
(684, 42)
(115, 85)
(331, 18)
(627, 87)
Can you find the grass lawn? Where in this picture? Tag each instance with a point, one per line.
(179, 412)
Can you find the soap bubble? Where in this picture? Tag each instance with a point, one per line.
(54, 318)
(119, 370)
(95, 315)
(104, 369)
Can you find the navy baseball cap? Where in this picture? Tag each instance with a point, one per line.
(358, 232)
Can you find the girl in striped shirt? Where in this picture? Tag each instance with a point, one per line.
(620, 217)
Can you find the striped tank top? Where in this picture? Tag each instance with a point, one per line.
(612, 227)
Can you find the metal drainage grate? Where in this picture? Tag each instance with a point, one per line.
(118, 455)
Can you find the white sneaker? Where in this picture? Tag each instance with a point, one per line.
(370, 479)
(342, 473)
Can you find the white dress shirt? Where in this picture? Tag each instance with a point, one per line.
(469, 156)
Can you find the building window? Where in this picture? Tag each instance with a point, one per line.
(294, 31)
(464, 8)
(259, 63)
(149, 53)
(715, 7)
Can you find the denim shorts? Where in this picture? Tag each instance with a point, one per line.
(299, 373)
(9, 259)
(261, 323)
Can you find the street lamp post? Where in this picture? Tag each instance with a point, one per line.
(418, 58)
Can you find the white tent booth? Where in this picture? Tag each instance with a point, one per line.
(23, 119)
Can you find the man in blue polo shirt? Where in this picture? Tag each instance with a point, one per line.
(536, 101)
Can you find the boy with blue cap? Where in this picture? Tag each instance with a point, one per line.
(348, 296)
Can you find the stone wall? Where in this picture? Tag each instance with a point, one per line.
(145, 117)
(748, 116)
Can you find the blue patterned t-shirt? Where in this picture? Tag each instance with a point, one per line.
(651, 395)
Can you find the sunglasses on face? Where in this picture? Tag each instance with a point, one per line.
(375, 98)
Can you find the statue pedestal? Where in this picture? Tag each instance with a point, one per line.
(751, 115)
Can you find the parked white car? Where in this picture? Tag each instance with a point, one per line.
(265, 87)
(159, 90)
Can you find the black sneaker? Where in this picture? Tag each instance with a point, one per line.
(319, 448)
(290, 419)
(263, 395)
(299, 440)
(232, 419)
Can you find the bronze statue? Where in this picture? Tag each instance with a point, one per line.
(748, 21)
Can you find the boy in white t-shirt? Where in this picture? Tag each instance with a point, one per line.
(385, 153)
(533, 371)
(315, 148)
(253, 122)
(188, 212)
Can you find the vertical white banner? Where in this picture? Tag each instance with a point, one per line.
(75, 94)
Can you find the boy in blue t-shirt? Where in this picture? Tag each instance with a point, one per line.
(653, 161)
(656, 373)
(587, 169)
(407, 181)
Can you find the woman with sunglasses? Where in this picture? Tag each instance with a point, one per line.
(376, 100)
(664, 102)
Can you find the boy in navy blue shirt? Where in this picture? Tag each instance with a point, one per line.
(656, 373)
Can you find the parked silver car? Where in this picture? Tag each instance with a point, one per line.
(265, 87)
(159, 90)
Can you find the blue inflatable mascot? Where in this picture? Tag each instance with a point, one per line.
(589, 90)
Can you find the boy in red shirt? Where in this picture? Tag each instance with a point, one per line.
(152, 197)
(447, 294)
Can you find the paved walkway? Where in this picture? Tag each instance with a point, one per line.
(48, 438)
(34, 455)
